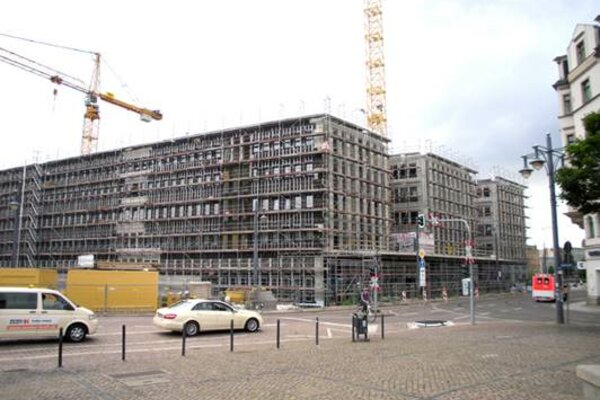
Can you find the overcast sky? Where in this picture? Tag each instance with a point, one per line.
(471, 80)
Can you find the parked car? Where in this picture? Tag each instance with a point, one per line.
(37, 312)
(199, 315)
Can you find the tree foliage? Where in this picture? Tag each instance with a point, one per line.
(580, 180)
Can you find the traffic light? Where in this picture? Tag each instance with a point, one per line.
(421, 221)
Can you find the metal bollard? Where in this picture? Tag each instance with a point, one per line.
(317, 331)
(231, 339)
(183, 336)
(60, 347)
(382, 326)
(354, 327)
(123, 345)
(278, 333)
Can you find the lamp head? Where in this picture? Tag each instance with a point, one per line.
(525, 171)
(537, 164)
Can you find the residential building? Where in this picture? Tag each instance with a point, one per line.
(578, 90)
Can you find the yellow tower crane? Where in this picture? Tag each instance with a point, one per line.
(91, 117)
(375, 63)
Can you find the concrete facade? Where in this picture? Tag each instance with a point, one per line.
(442, 190)
(265, 204)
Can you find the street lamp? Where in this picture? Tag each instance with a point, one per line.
(548, 156)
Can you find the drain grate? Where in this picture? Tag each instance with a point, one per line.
(142, 378)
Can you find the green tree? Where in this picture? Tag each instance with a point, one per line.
(580, 180)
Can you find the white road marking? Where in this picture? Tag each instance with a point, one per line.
(313, 321)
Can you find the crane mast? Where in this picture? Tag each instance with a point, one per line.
(375, 63)
(91, 117)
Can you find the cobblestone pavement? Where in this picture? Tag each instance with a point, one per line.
(491, 360)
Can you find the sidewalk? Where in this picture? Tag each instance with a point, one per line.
(497, 360)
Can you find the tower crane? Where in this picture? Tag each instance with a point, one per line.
(91, 117)
(375, 63)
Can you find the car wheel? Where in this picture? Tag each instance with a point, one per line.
(251, 325)
(76, 333)
(191, 328)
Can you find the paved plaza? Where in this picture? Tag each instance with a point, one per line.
(491, 360)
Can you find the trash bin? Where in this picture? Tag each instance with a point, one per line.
(361, 325)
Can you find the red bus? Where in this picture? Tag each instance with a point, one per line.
(542, 287)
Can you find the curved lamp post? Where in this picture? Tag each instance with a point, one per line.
(548, 157)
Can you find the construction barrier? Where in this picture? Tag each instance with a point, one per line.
(404, 299)
(28, 277)
(113, 290)
(444, 295)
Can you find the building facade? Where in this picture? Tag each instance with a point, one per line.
(458, 211)
(501, 222)
(269, 205)
(578, 90)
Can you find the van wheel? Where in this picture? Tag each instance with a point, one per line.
(191, 328)
(76, 333)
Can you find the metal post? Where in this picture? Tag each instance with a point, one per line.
(557, 264)
(105, 298)
(417, 254)
(123, 345)
(278, 333)
(183, 336)
(231, 336)
(60, 347)
(470, 262)
(382, 326)
(317, 332)
(354, 319)
(255, 245)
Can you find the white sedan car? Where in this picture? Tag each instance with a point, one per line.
(195, 315)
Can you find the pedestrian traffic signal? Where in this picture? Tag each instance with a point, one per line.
(421, 221)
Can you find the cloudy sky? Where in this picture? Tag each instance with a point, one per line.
(467, 79)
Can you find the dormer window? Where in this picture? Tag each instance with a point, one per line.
(580, 51)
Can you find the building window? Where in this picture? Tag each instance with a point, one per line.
(586, 91)
(580, 51)
(567, 104)
(570, 139)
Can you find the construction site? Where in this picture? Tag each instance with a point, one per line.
(301, 206)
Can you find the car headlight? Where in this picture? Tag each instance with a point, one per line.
(92, 317)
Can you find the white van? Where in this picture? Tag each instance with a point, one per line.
(36, 312)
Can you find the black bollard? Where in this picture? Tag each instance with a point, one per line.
(278, 333)
(317, 332)
(231, 339)
(382, 326)
(60, 347)
(183, 336)
(354, 327)
(123, 345)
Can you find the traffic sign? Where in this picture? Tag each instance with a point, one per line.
(421, 263)
(422, 277)
(421, 253)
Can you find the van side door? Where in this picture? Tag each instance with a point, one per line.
(18, 311)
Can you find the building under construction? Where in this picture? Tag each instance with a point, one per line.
(300, 206)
